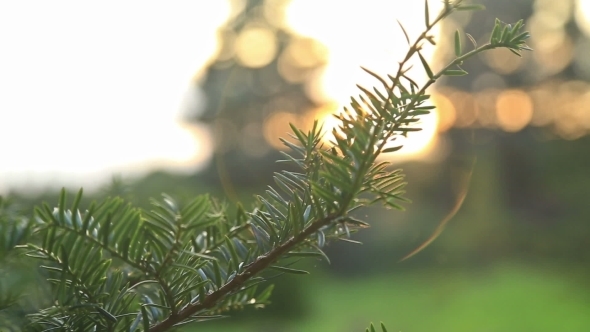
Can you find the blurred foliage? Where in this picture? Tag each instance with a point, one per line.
(527, 123)
(256, 83)
(547, 90)
(505, 297)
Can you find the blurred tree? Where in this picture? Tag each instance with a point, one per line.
(253, 88)
(520, 110)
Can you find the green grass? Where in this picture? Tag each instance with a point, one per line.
(505, 298)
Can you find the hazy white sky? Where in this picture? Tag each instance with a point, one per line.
(92, 88)
(89, 88)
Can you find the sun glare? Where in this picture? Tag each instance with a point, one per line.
(358, 40)
(91, 88)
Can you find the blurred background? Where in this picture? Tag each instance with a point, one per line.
(186, 97)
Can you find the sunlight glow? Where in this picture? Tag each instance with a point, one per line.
(582, 15)
(90, 88)
(363, 36)
(256, 47)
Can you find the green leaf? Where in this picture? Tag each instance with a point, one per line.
(515, 29)
(505, 35)
(515, 52)
(135, 323)
(262, 237)
(320, 251)
(328, 196)
(321, 239)
(496, 32)
(276, 215)
(77, 221)
(218, 278)
(392, 149)
(88, 217)
(371, 328)
(306, 213)
(455, 72)
(337, 180)
(202, 293)
(235, 260)
(457, 44)
(106, 314)
(145, 318)
(265, 294)
(350, 240)
(404, 31)
(106, 230)
(62, 204)
(192, 287)
(356, 222)
(430, 39)
(305, 254)
(299, 134)
(426, 14)
(278, 199)
(195, 211)
(406, 130)
(472, 40)
(293, 147)
(471, 7)
(288, 270)
(431, 107)
(426, 66)
(520, 37)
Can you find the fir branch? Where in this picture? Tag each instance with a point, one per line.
(372, 148)
(260, 264)
(178, 264)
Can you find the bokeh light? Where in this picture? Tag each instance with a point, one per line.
(503, 61)
(445, 109)
(514, 110)
(466, 106)
(300, 58)
(256, 47)
(540, 98)
(553, 46)
(277, 125)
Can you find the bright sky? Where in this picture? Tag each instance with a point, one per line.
(92, 88)
(368, 35)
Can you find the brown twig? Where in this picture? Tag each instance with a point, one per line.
(260, 264)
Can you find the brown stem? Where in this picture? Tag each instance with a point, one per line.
(260, 264)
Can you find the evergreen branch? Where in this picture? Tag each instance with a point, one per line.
(359, 175)
(251, 270)
(96, 242)
(205, 262)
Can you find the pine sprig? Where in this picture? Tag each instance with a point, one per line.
(114, 267)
